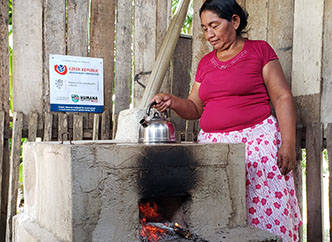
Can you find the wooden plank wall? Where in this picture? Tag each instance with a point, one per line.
(144, 43)
(4, 116)
(326, 100)
(102, 45)
(329, 150)
(123, 70)
(299, 41)
(307, 56)
(27, 56)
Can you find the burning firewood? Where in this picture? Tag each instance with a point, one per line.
(185, 233)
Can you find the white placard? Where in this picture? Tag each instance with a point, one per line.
(76, 84)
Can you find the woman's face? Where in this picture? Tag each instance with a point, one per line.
(220, 32)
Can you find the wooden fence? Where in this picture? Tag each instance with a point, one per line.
(63, 27)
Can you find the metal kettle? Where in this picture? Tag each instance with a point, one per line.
(156, 128)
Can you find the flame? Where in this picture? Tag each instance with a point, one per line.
(154, 227)
(152, 233)
(149, 212)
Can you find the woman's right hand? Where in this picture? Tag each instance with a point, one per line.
(163, 100)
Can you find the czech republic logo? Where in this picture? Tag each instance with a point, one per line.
(61, 69)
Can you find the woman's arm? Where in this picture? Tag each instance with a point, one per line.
(282, 101)
(190, 108)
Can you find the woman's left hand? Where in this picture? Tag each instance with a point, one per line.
(286, 158)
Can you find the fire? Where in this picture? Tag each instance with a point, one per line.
(153, 225)
(152, 233)
(149, 213)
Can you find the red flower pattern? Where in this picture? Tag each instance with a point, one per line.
(273, 208)
(263, 201)
(252, 210)
(283, 229)
(277, 205)
(268, 211)
(278, 195)
(270, 175)
(259, 173)
(255, 200)
(264, 159)
(255, 221)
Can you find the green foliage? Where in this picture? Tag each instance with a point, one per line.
(10, 49)
(10, 11)
(187, 26)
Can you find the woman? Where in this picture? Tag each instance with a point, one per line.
(234, 85)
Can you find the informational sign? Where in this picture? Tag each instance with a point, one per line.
(76, 84)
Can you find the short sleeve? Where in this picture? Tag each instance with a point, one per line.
(198, 77)
(268, 54)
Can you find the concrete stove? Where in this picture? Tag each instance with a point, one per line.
(90, 191)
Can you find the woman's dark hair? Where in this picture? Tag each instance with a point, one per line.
(225, 9)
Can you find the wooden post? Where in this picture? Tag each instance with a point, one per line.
(307, 59)
(329, 150)
(297, 173)
(53, 40)
(77, 127)
(4, 116)
(4, 61)
(164, 16)
(144, 44)
(314, 145)
(105, 127)
(32, 128)
(102, 45)
(27, 53)
(62, 126)
(14, 172)
(2, 140)
(123, 59)
(95, 130)
(280, 26)
(77, 44)
(326, 108)
(181, 75)
(48, 123)
(258, 19)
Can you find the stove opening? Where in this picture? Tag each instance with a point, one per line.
(163, 218)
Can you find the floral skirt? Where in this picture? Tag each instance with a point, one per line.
(271, 200)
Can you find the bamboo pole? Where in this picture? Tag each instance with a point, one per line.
(165, 53)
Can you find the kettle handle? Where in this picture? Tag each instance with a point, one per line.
(148, 110)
